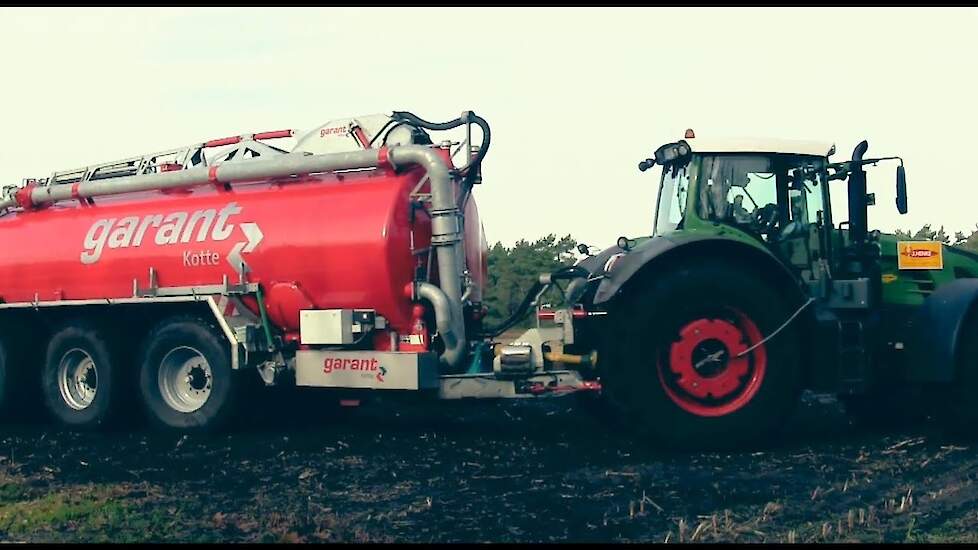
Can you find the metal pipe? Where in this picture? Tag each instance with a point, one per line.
(587, 360)
(445, 217)
(251, 170)
(445, 321)
(446, 235)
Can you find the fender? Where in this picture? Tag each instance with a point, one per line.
(633, 261)
(937, 331)
(660, 251)
(594, 266)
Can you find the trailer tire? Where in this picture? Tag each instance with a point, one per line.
(670, 371)
(8, 382)
(185, 379)
(80, 381)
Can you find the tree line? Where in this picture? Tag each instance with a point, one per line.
(926, 233)
(512, 270)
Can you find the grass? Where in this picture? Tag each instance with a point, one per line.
(90, 513)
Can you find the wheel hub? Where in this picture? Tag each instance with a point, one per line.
(77, 379)
(703, 371)
(705, 358)
(185, 379)
(710, 358)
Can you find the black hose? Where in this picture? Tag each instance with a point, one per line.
(569, 272)
(470, 118)
(380, 132)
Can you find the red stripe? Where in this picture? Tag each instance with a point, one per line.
(23, 196)
(275, 134)
(212, 174)
(222, 141)
(362, 137)
(383, 159)
(74, 190)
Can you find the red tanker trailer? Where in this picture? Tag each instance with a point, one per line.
(356, 260)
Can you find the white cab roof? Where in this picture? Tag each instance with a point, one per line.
(759, 145)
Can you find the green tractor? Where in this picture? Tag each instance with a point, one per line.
(749, 290)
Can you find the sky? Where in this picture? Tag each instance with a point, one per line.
(575, 97)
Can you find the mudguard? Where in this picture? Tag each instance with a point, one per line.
(594, 265)
(937, 331)
(633, 261)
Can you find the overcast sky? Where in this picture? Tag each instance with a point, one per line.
(575, 97)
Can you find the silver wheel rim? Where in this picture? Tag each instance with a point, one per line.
(185, 379)
(77, 379)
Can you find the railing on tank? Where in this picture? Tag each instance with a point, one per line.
(248, 146)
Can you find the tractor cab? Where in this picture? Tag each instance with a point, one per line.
(765, 191)
(774, 194)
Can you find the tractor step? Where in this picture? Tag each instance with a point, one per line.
(853, 356)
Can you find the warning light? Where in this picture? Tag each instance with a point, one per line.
(689, 133)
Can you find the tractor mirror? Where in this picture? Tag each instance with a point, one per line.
(901, 190)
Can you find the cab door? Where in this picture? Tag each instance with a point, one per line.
(800, 242)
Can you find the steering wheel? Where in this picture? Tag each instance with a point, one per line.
(766, 217)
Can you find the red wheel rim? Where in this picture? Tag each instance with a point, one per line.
(702, 372)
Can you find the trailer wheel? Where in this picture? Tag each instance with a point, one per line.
(79, 378)
(674, 369)
(8, 390)
(185, 379)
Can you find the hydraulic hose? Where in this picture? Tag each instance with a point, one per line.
(539, 285)
(469, 118)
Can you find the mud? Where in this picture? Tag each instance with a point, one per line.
(508, 472)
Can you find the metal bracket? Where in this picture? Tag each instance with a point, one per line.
(225, 288)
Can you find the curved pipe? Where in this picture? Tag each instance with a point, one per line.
(446, 236)
(445, 321)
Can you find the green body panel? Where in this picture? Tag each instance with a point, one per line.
(909, 288)
(912, 287)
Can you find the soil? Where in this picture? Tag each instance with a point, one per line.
(517, 471)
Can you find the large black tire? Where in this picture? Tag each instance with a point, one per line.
(80, 380)
(195, 345)
(8, 382)
(710, 299)
(876, 410)
(955, 403)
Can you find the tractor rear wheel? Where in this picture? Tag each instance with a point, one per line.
(956, 404)
(686, 364)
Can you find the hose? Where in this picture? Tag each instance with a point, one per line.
(469, 118)
(779, 329)
(539, 285)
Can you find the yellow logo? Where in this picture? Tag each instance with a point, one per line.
(920, 255)
(888, 278)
